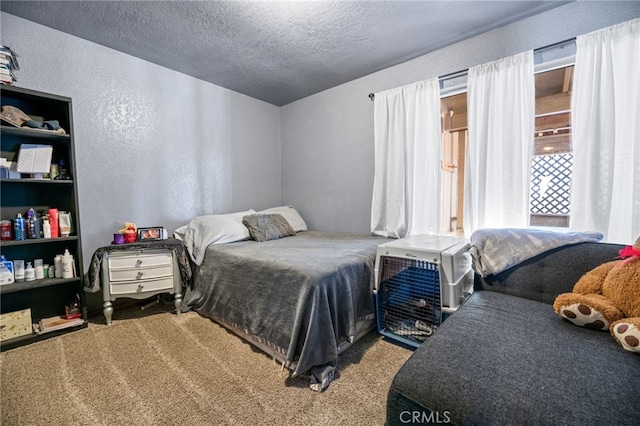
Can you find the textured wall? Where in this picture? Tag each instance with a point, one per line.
(153, 146)
(158, 147)
(327, 139)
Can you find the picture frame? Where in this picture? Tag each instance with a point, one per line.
(153, 233)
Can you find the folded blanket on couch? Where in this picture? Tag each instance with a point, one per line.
(495, 250)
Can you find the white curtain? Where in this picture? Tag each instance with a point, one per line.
(501, 108)
(406, 186)
(605, 190)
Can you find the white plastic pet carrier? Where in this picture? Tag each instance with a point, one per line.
(419, 281)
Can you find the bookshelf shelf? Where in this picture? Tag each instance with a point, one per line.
(31, 338)
(31, 285)
(34, 133)
(38, 241)
(37, 181)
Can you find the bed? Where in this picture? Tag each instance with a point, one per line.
(303, 297)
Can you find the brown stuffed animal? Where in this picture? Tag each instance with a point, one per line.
(608, 297)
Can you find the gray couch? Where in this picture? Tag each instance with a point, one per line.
(506, 358)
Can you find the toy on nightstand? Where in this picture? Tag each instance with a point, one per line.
(130, 232)
(608, 297)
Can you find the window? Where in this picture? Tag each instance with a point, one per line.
(453, 152)
(552, 159)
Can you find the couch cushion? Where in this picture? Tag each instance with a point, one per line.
(543, 277)
(506, 360)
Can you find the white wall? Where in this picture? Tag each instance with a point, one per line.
(153, 146)
(327, 139)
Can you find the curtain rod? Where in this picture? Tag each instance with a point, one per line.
(463, 72)
(554, 45)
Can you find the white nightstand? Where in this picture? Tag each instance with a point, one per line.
(139, 274)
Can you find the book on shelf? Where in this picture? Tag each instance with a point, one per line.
(56, 323)
(7, 72)
(7, 79)
(8, 64)
(10, 55)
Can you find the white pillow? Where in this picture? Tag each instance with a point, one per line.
(291, 215)
(202, 231)
(179, 232)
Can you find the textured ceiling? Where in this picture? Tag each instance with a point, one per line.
(278, 52)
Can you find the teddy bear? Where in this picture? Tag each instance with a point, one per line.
(130, 232)
(608, 297)
(129, 227)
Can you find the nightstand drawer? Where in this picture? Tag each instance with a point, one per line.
(133, 287)
(140, 273)
(140, 260)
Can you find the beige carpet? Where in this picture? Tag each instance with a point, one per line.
(152, 367)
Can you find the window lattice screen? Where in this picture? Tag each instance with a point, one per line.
(551, 184)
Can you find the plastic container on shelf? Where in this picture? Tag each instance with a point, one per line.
(6, 230)
(46, 229)
(29, 273)
(67, 264)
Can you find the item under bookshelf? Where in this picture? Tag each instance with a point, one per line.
(47, 325)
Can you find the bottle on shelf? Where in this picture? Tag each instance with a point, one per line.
(19, 269)
(19, 228)
(29, 272)
(67, 264)
(6, 271)
(34, 224)
(57, 261)
(53, 171)
(46, 228)
(63, 174)
(38, 267)
(6, 230)
(53, 222)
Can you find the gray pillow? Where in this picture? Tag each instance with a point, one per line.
(266, 227)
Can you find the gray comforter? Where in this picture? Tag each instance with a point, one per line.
(301, 296)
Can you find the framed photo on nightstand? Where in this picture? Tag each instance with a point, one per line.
(150, 234)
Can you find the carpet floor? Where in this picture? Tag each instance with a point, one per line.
(153, 367)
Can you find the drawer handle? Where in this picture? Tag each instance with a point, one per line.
(139, 276)
(140, 287)
(138, 262)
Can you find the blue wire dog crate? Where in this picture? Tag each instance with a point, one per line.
(420, 281)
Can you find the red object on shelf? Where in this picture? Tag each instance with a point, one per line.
(53, 222)
(6, 230)
(72, 315)
(130, 237)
